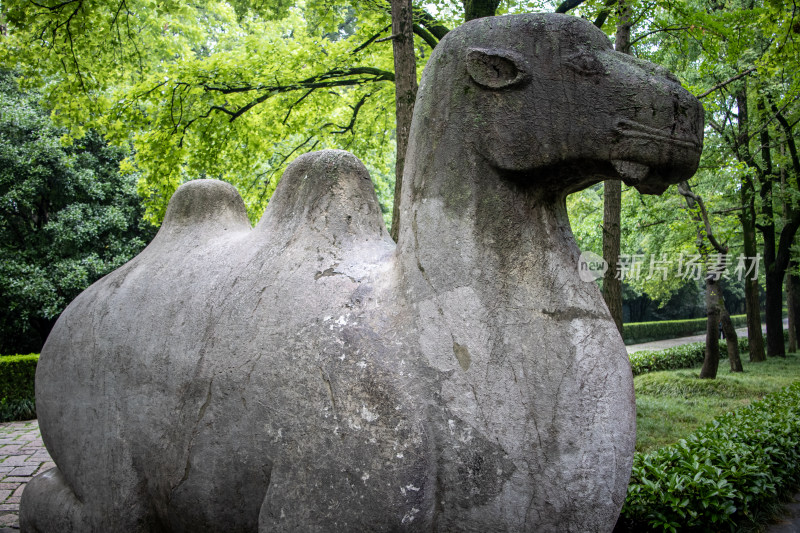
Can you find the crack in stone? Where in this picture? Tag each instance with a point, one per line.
(195, 431)
(327, 382)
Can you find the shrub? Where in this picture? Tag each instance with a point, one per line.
(17, 409)
(17, 398)
(724, 474)
(684, 356)
(637, 332)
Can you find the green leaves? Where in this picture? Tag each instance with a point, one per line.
(232, 91)
(722, 474)
(683, 356)
(17, 400)
(67, 218)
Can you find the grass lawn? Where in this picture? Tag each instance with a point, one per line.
(671, 404)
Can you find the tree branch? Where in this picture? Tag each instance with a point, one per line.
(603, 15)
(726, 211)
(649, 33)
(726, 82)
(314, 82)
(353, 118)
(426, 36)
(787, 133)
(370, 40)
(785, 241)
(425, 20)
(691, 199)
(291, 107)
(566, 5)
(55, 7)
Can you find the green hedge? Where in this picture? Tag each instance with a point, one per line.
(17, 399)
(684, 356)
(637, 332)
(727, 474)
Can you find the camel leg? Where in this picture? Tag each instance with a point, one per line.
(49, 505)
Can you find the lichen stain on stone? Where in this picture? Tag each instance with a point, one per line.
(462, 354)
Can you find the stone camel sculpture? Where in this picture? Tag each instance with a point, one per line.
(309, 375)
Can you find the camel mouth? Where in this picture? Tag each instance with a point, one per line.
(630, 128)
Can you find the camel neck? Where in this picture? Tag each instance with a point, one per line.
(481, 230)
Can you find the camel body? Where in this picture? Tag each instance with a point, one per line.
(309, 375)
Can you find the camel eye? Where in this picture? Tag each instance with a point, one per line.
(586, 64)
(496, 69)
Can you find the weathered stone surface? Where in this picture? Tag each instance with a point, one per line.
(309, 375)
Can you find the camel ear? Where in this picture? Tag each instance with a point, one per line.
(496, 69)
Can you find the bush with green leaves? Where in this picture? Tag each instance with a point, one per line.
(726, 474)
(683, 356)
(637, 332)
(67, 218)
(17, 399)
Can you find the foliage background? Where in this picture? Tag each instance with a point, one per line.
(67, 217)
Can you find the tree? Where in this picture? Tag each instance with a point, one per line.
(225, 89)
(741, 56)
(748, 220)
(405, 69)
(791, 306)
(793, 300)
(231, 90)
(612, 195)
(67, 218)
(475, 9)
(717, 316)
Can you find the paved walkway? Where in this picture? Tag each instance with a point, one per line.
(790, 521)
(22, 456)
(669, 343)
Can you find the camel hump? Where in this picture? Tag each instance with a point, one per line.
(204, 209)
(327, 193)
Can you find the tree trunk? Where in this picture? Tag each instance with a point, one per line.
(405, 83)
(774, 273)
(612, 199)
(748, 219)
(475, 9)
(612, 286)
(711, 361)
(791, 305)
(755, 337)
(622, 38)
(751, 289)
(731, 338)
(774, 314)
(789, 231)
(715, 305)
(796, 299)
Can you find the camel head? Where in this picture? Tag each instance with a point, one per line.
(545, 100)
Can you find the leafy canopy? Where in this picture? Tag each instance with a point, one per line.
(230, 90)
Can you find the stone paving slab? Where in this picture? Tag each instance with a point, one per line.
(22, 456)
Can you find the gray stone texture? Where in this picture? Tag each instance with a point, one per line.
(309, 375)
